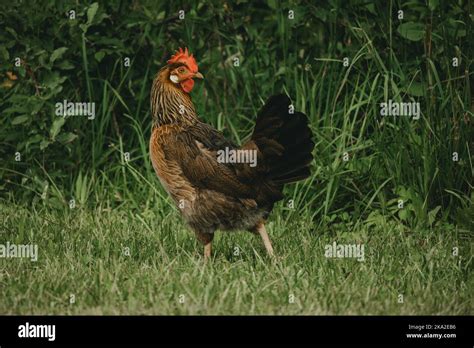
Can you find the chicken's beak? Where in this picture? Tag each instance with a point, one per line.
(198, 75)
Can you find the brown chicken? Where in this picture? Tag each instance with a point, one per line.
(215, 183)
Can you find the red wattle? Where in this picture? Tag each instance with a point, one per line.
(187, 85)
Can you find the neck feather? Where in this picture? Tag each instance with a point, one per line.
(169, 103)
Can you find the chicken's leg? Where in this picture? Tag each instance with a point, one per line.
(266, 240)
(206, 239)
(207, 250)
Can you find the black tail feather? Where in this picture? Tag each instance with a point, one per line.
(284, 139)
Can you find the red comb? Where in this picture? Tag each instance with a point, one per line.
(184, 57)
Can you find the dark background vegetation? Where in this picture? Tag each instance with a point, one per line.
(405, 60)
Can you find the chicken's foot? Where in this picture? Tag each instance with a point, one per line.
(266, 240)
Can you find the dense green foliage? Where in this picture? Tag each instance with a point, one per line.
(83, 59)
(338, 60)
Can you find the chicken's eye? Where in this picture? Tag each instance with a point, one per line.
(181, 70)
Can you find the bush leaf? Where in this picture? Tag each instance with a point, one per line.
(412, 31)
(91, 12)
(57, 53)
(19, 119)
(56, 127)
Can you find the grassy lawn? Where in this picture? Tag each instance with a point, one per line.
(84, 253)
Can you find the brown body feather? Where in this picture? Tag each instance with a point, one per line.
(225, 196)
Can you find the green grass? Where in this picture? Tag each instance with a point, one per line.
(81, 252)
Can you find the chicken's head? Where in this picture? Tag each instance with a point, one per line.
(183, 68)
